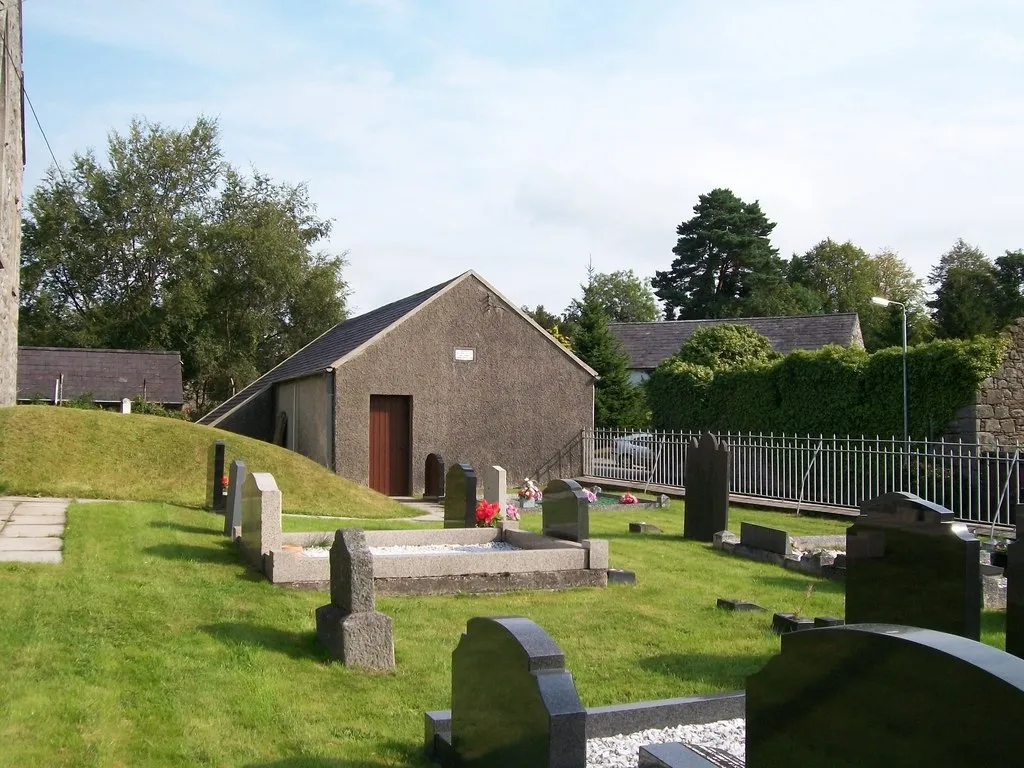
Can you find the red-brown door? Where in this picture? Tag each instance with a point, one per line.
(390, 450)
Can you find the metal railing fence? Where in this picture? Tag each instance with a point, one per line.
(980, 483)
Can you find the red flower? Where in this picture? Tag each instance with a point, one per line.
(485, 512)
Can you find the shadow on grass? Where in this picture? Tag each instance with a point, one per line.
(993, 621)
(725, 673)
(800, 583)
(296, 645)
(402, 752)
(223, 552)
(185, 528)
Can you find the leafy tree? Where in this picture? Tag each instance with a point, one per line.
(718, 252)
(843, 275)
(968, 300)
(542, 317)
(727, 347)
(624, 296)
(165, 246)
(1010, 276)
(617, 402)
(775, 296)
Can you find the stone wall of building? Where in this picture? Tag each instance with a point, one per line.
(996, 417)
(12, 166)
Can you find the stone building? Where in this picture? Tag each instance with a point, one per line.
(12, 167)
(996, 416)
(456, 369)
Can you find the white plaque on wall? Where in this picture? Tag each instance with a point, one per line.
(465, 355)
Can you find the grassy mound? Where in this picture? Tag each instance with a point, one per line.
(102, 455)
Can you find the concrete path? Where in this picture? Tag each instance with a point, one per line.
(32, 530)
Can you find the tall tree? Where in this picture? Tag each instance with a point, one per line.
(624, 296)
(617, 402)
(542, 317)
(1010, 276)
(968, 300)
(843, 275)
(718, 251)
(166, 247)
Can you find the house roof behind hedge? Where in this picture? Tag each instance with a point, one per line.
(108, 375)
(648, 344)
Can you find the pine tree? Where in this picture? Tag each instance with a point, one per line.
(617, 403)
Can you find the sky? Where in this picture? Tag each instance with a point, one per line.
(525, 139)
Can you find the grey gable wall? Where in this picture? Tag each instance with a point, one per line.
(516, 404)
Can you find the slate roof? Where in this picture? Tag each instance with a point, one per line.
(110, 375)
(648, 344)
(327, 349)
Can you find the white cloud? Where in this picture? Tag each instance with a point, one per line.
(892, 124)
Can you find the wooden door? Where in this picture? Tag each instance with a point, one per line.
(390, 444)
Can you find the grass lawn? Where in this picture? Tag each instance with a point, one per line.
(96, 454)
(153, 646)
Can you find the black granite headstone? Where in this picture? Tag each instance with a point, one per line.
(433, 477)
(565, 511)
(763, 537)
(233, 508)
(215, 476)
(513, 701)
(883, 695)
(908, 563)
(1014, 572)
(707, 488)
(460, 497)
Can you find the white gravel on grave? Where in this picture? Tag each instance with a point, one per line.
(425, 549)
(624, 751)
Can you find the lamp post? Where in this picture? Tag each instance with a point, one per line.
(881, 302)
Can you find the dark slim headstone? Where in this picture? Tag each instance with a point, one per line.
(1014, 572)
(565, 511)
(460, 497)
(908, 563)
(433, 477)
(513, 702)
(233, 509)
(763, 537)
(883, 695)
(707, 488)
(215, 476)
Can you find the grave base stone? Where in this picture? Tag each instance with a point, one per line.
(787, 622)
(730, 604)
(620, 576)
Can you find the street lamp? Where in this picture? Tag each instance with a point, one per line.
(881, 302)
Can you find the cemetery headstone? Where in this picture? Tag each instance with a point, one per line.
(513, 701)
(495, 488)
(908, 562)
(565, 511)
(762, 537)
(233, 510)
(433, 477)
(349, 626)
(881, 695)
(261, 517)
(215, 476)
(707, 488)
(1015, 589)
(126, 405)
(460, 497)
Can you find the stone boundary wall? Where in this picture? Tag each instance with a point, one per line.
(996, 416)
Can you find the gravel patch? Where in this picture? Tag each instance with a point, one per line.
(624, 751)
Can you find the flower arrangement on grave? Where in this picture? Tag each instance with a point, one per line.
(591, 496)
(627, 498)
(511, 512)
(487, 513)
(530, 491)
(224, 485)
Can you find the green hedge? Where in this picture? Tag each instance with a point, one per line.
(834, 390)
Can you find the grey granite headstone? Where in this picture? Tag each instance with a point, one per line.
(513, 701)
(350, 627)
(261, 517)
(1014, 572)
(565, 511)
(908, 562)
(460, 497)
(763, 537)
(495, 487)
(215, 476)
(707, 488)
(433, 477)
(884, 695)
(233, 511)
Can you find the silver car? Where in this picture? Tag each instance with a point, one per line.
(630, 450)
